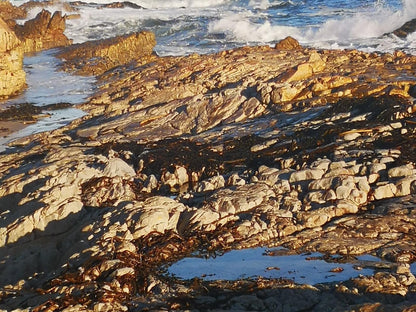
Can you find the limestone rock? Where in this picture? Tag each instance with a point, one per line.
(307, 174)
(385, 191)
(402, 171)
(159, 214)
(9, 12)
(95, 57)
(12, 76)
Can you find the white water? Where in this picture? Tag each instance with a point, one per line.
(253, 263)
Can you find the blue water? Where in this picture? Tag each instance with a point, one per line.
(254, 263)
(204, 26)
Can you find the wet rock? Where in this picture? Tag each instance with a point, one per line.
(247, 302)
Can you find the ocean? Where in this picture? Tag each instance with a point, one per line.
(205, 26)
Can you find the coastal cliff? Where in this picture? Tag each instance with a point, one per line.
(312, 150)
(12, 75)
(45, 31)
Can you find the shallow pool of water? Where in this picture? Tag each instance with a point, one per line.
(269, 263)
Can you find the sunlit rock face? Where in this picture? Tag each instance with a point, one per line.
(44, 32)
(249, 147)
(96, 57)
(12, 76)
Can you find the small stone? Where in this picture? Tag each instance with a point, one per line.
(288, 43)
(351, 136)
(402, 171)
(307, 174)
(372, 178)
(385, 191)
(117, 167)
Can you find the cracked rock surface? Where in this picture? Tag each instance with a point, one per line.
(313, 150)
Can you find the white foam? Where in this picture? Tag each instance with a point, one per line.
(347, 31)
(239, 27)
(368, 24)
(162, 4)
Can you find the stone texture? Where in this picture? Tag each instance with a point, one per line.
(206, 153)
(45, 31)
(12, 76)
(95, 57)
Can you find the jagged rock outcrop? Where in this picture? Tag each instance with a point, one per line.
(44, 32)
(12, 76)
(96, 57)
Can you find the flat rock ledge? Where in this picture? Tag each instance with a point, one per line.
(312, 150)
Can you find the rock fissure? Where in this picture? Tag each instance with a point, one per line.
(255, 146)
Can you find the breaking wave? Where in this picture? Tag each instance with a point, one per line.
(350, 25)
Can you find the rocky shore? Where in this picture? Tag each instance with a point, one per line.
(311, 150)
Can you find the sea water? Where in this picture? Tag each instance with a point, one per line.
(256, 262)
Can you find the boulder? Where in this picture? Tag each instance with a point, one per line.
(12, 76)
(44, 32)
(289, 43)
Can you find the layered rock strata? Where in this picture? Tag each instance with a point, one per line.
(12, 76)
(96, 57)
(43, 32)
(308, 149)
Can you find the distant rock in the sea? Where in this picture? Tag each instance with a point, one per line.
(408, 28)
(12, 75)
(289, 43)
(44, 32)
(9, 12)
